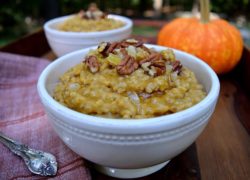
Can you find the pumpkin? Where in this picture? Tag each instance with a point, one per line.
(216, 42)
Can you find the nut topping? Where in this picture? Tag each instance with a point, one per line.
(154, 69)
(123, 52)
(177, 66)
(159, 67)
(92, 13)
(131, 42)
(154, 65)
(152, 57)
(106, 48)
(92, 63)
(112, 47)
(127, 58)
(127, 66)
(102, 47)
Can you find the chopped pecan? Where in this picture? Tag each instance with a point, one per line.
(92, 13)
(127, 66)
(92, 63)
(153, 65)
(112, 47)
(158, 63)
(159, 67)
(124, 52)
(156, 71)
(102, 48)
(105, 48)
(146, 66)
(177, 66)
(152, 57)
(121, 52)
(131, 42)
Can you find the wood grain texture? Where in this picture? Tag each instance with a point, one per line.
(224, 146)
(34, 44)
(242, 108)
(245, 67)
(241, 79)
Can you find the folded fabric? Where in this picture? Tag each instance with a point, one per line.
(22, 118)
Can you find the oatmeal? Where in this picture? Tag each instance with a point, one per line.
(129, 80)
(91, 20)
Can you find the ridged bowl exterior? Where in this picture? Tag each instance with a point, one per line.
(128, 143)
(65, 42)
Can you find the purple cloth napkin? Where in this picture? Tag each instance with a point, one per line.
(22, 118)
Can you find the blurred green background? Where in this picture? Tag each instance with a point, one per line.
(20, 17)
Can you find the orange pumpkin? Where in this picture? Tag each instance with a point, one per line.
(216, 42)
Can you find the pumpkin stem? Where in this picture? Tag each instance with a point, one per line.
(204, 11)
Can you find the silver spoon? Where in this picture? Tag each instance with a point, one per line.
(38, 162)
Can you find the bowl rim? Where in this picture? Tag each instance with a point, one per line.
(47, 26)
(171, 120)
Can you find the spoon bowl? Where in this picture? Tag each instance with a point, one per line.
(38, 162)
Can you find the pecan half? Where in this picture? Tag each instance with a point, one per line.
(112, 47)
(153, 65)
(127, 66)
(152, 57)
(92, 63)
(177, 66)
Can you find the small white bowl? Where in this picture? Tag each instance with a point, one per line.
(62, 42)
(128, 148)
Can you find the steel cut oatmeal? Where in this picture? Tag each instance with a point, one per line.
(91, 20)
(128, 80)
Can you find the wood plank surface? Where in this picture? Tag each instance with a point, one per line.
(34, 44)
(224, 146)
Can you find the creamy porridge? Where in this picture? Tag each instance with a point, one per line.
(91, 20)
(128, 80)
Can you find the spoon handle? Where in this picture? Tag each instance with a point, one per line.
(38, 162)
(16, 147)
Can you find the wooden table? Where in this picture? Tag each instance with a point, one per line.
(223, 149)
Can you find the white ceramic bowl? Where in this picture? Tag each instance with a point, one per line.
(132, 148)
(64, 42)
